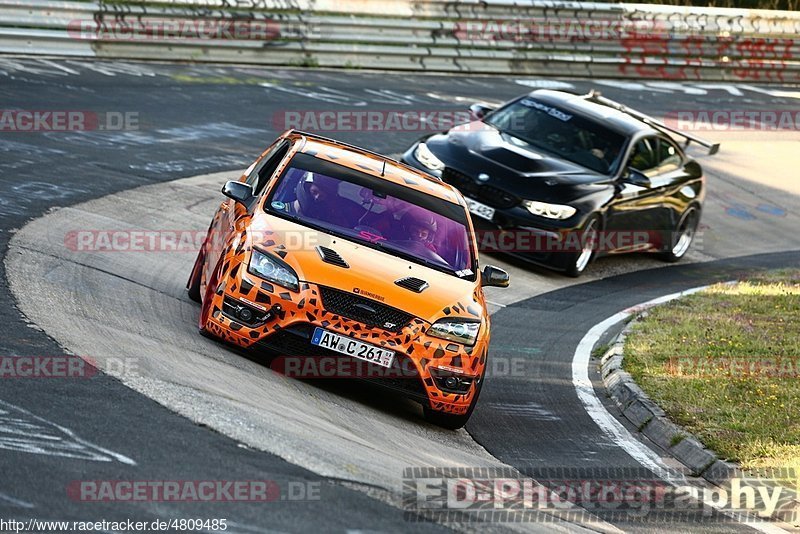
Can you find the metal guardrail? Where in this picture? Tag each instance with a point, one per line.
(489, 36)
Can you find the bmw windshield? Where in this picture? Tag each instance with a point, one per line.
(561, 133)
(383, 215)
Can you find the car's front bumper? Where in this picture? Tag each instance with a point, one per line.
(420, 360)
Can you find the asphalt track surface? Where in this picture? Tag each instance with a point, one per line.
(197, 120)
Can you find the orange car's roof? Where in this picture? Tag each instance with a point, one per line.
(372, 163)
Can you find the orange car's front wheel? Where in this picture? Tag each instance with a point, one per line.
(193, 286)
(207, 305)
(449, 420)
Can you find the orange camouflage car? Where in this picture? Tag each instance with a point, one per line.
(334, 259)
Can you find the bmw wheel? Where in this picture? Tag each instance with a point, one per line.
(578, 261)
(679, 240)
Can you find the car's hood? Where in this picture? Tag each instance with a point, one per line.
(510, 162)
(372, 273)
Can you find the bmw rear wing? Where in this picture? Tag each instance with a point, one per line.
(596, 97)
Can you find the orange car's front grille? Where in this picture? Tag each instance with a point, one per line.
(364, 310)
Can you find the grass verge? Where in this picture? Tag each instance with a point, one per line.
(725, 364)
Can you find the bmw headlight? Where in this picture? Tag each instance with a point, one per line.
(427, 158)
(271, 268)
(454, 330)
(550, 211)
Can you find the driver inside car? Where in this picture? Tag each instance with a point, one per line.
(317, 196)
(383, 213)
(420, 227)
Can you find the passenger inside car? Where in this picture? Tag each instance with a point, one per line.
(317, 196)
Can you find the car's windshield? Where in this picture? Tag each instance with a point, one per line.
(561, 133)
(396, 219)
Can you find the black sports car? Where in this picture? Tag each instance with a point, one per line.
(562, 178)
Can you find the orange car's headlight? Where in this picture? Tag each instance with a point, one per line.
(271, 268)
(464, 332)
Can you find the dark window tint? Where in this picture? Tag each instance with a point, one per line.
(260, 175)
(383, 215)
(644, 156)
(669, 157)
(569, 136)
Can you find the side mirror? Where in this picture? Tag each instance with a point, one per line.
(238, 191)
(479, 111)
(636, 177)
(492, 276)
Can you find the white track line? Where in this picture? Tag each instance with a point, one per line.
(16, 502)
(614, 429)
(115, 455)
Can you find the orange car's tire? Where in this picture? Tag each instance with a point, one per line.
(206, 307)
(448, 420)
(193, 286)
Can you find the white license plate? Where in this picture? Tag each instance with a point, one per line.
(352, 347)
(481, 210)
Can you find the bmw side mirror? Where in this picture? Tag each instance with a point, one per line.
(238, 191)
(492, 276)
(636, 177)
(479, 111)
